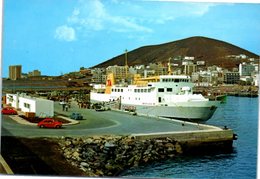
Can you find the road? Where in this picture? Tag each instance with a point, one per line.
(95, 123)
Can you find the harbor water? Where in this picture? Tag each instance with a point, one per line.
(239, 114)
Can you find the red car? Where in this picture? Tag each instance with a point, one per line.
(9, 111)
(49, 123)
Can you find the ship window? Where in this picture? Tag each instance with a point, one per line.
(160, 90)
(121, 90)
(176, 80)
(159, 99)
(135, 90)
(142, 90)
(138, 90)
(169, 89)
(145, 90)
(149, 90)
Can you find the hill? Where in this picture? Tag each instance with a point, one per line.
(212, 51)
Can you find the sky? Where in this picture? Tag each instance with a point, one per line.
(58, 37)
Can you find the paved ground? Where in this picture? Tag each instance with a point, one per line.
(27, 154)
(96, 123)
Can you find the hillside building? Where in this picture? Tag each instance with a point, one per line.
(98, 75)
(189, 68)
(231, 77)
(246, 69)
(120, 72)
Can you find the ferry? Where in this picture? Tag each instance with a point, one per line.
(169, 96)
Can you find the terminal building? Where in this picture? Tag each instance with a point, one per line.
(41, 107)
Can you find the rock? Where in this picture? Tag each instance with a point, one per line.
(99, 173)
(131, 161)
(75, 142)
(109, 144)
(178, 148)
(67, 155)
(169, 145)
(88, 141)
(108, 155)
(171, 155)
(84, 164)
(146, 159)
(75, 155)
(109, 167)
(67, 143)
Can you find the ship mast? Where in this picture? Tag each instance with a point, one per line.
(169, 67)
(126, 65)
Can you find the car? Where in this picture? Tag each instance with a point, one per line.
(9, 111)
(100, 108)
(76, 116)
(49, 123)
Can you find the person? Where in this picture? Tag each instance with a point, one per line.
(63, 107)
(66, 107)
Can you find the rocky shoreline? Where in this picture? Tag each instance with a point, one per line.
(110, 155)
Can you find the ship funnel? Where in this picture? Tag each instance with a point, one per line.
(109, 83)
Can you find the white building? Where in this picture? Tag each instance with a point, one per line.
(246, 69)
(41, 107)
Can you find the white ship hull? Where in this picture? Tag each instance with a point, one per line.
(195, 114)
(189, 111)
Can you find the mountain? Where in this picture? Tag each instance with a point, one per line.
(212, 51)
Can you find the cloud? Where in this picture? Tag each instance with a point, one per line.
(136, 17)
(65, 33)
(164, 12)
(94, 15)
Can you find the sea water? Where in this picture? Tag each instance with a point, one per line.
(239, 114)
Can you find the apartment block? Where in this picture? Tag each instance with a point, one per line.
(15, 72)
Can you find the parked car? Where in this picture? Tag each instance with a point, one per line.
(9, 111)
(49, 123)
(100, 108)
(76, 116)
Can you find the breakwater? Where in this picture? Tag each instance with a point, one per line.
(110, 155)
